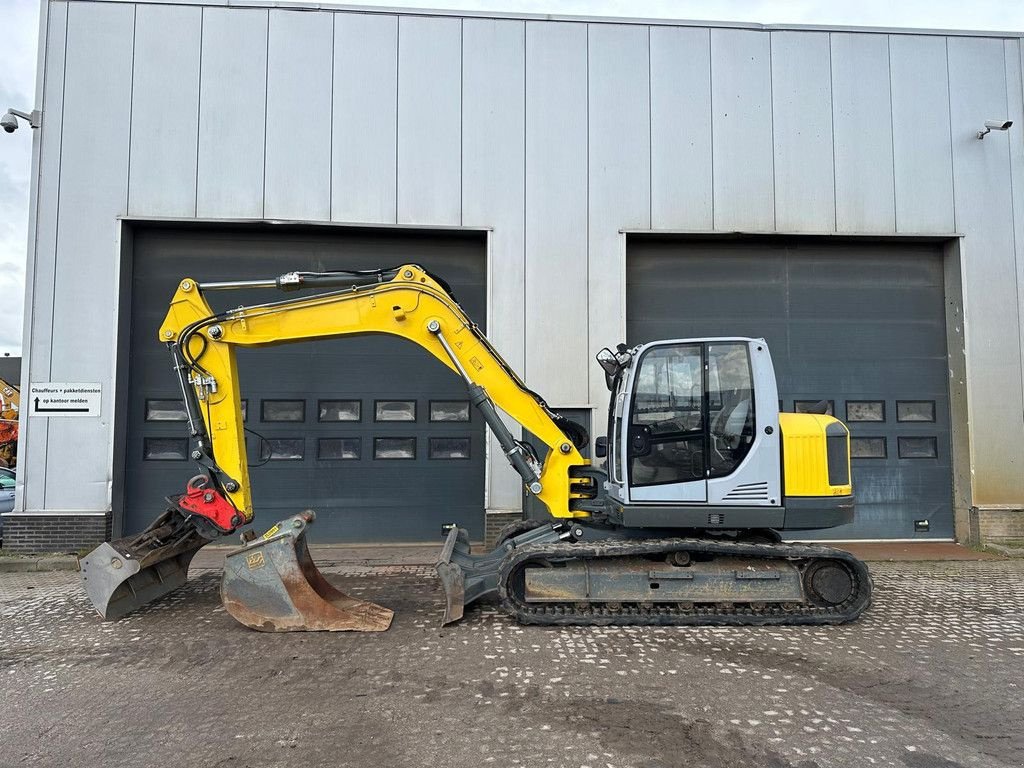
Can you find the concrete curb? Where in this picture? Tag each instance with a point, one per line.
(48, 563)
(1004, 550)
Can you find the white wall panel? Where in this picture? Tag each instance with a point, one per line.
(984, 211)
(39, 277)
(741, 100)
(299, 75)
(920, 134)
(93, 193)
(556, 211)
(802, 119)
(429, 120)
(365, 134)
(619, 174)
(232, 113)
(862, 120)
(494, 192)
(681, 173)
(165, 111)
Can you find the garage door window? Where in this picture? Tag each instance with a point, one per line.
(449, 410)
(394, 448)
(867, 448)
(814, 406)
(915, 410)
(449, 448)
(165, 449)
(340, 410)
(283, 410)
(338, 448)
(918, 448)
(865, 410)
(165, 410)
(282, 449)
(394, 410)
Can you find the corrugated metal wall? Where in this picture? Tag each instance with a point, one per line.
(556, 134)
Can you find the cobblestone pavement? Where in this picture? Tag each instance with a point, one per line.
(931, 675)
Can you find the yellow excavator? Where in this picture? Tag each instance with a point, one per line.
(680, 525)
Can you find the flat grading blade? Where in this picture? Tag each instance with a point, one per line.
(123, 575)
(272, 585)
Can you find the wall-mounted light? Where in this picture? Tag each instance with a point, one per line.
(995, 125)
(9, 122)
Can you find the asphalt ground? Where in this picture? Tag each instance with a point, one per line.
(931, 675)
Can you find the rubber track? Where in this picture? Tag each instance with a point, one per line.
(674, 614)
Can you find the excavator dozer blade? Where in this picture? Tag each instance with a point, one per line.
(123, 575)
(272, 585)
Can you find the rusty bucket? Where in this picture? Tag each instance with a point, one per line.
(272, 585)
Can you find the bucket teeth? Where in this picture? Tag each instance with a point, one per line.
(272, 585)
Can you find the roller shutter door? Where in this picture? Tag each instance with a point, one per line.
(859, 325)
(372, 433)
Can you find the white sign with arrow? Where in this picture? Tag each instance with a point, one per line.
(64, 399)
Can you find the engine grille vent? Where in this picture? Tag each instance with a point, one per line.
(749, 492)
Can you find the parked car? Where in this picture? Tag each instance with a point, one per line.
(6, 494)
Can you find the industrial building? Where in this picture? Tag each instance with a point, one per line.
(579, 182)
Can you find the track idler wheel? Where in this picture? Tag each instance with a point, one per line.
(272, 585)
(828, 583)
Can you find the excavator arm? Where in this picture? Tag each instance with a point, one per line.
(407, 302)
(272, 583)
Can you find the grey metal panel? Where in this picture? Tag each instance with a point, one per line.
(232, 113)
(920, 134)
(681, 189)
(300, 47)
(802, 120)
(741, 100)
(93, 192)
(365, 134)
(39, 276)
(843, 321)
(619, 173)
(429, 120)
(981, 183)
(556, 210)
(861, 116)
(165, 111)
(494, 193)
(1014, 58)
(356, 500)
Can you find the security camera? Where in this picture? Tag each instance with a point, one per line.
(9, 122)
(995, 125)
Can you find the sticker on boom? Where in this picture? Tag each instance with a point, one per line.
(255, 561)
(271, 532)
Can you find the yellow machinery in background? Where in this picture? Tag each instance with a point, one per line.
(10, 405)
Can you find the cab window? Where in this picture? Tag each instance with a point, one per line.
(730, 407)
(666, 435)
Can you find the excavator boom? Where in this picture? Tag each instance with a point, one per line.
(405, 301)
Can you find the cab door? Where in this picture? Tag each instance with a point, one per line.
(665, 449)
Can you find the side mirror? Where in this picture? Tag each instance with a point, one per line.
(601, 447)
(608, 362)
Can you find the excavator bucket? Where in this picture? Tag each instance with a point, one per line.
(272, 585)
(123, 575)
